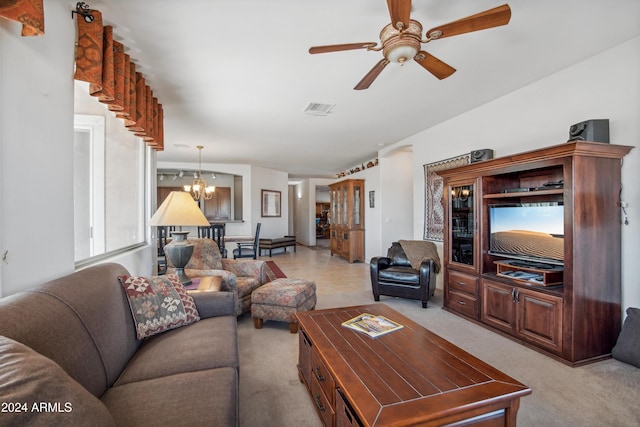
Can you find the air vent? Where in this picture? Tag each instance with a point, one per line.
(317, 109)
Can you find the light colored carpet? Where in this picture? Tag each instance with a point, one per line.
(606, 393)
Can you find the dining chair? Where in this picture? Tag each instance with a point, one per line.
(248, 249)
(163, 239)
(218, 232)
(214, 231)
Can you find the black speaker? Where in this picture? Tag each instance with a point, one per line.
(590, 130)
(480, 155)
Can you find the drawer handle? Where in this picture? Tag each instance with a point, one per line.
(461, 283)
(320, 377)
(462, 302)
(319, 404)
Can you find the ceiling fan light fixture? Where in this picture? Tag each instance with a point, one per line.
(400, 46)
(401, 53)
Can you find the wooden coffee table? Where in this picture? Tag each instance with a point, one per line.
(407, 377)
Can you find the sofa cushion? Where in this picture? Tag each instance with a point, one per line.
(158, 303)
(401, 275)
(202, 398)
(26, 317)
(29, 380)
(209, 343)
(85, 293)
(627, 348)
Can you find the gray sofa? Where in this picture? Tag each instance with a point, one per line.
(69, 356)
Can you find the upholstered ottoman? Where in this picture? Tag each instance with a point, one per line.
(280, 299)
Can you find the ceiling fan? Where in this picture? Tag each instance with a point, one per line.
(401, 39)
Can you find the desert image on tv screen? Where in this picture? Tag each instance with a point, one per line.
(528, 243)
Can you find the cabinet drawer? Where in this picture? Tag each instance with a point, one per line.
(463, 283)
(322, 404)
(463, 304)
(322, 376)
(345, 417)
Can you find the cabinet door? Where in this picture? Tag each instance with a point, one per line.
(163, 192)
(335, 206)
(498, 305)
(462, 224)
(344, 206)
(219, 206)
(540, 319)
(358, 204)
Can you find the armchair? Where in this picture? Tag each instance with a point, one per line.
(407, 277)
(238, 276)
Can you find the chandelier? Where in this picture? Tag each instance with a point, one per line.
(199, 188)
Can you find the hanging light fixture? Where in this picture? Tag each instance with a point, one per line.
(199, 188)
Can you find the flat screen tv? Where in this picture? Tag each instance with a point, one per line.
(532, 232)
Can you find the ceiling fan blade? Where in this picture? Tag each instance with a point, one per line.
(480, 21)
(399, 11)
(339, 47)
(434, 65)
(372, 74)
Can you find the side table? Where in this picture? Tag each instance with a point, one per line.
(205, 284)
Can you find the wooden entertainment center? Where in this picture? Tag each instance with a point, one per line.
(571, 312)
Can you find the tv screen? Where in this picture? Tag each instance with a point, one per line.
(528, 231)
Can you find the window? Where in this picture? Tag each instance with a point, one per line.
(109, 181)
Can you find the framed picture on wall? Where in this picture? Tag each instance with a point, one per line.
(271, 203)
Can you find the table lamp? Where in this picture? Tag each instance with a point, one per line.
(179, 209)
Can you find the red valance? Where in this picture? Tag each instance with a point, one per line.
(113, 79)
(28, 12)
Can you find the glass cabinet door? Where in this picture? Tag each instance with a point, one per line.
(462, 224)
(337, 205)
(345, 205)
(356, 205)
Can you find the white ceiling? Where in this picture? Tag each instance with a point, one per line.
(236, 75)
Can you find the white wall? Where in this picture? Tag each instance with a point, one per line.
(396, 167)
(269, 179)
(322, 195)
(36, 140)
(539, 115)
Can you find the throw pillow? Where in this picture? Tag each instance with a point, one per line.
(627, 348)
(158, 303)
(36, 391)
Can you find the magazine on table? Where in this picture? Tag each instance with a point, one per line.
(372, 325)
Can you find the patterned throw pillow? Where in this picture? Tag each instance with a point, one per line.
(158, 303)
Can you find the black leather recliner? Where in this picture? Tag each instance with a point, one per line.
(394, 276)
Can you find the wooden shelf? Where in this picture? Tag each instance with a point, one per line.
(523, 194)
(548, 277)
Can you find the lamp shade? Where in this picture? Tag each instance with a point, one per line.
(179, 209)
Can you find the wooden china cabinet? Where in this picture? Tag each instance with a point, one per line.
(347, 219)
(571, 312)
